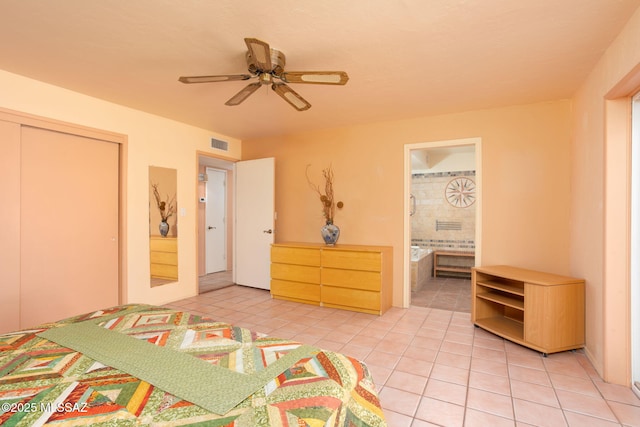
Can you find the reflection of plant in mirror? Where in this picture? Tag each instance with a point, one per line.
(166, 208)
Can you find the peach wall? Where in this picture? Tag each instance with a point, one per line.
(152, 141)
(600, 203)
(526, 182)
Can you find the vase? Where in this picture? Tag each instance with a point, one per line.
(164, 228)
(330, 233)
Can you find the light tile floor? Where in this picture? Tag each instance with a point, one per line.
(433, 367)
(445, 293)
(213, 281)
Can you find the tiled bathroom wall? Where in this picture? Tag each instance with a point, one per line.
(431, 206)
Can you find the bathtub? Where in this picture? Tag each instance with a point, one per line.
(421, 266)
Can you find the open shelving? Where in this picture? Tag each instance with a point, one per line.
(539, 310)
(453, 263)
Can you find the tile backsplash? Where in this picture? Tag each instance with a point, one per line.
(436, 223)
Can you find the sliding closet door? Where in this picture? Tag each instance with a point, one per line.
(10, 221)
(69, 225)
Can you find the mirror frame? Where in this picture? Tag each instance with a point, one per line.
(163, 248)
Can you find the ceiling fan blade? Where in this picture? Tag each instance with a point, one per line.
(260, 54)
(243, 94)
(289, 95)
(212, 79)
(316, 77)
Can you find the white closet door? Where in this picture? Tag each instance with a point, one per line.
(69, 225)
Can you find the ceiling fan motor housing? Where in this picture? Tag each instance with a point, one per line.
(278, 61)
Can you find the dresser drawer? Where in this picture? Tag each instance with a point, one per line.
(164, 271)
(295, 273)
(163, 244)
(297, 291)
(352, 260)
(293, 255)
(164, 258)
(354, 279)
(349, 277)
(351, 298)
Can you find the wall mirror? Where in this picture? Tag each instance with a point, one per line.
(163, 225)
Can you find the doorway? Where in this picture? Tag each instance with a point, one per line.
(216, 218)
(215, 225)
(442, 222)
(249, 229)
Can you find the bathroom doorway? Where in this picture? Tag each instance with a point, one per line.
(442, 222)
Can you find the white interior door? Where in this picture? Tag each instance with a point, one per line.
(255, 205)
(215, 227)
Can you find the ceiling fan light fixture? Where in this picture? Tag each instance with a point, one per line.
(266, 78)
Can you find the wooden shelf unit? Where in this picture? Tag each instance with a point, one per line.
(458, 268)
(349, 277)
(539, 310)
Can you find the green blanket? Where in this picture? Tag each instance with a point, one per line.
(214, 388)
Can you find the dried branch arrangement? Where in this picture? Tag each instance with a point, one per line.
(326, 198)
(168, 208)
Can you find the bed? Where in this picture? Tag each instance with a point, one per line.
(135, 365)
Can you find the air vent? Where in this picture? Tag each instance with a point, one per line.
(219, 144)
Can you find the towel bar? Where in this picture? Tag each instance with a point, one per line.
(448, 225)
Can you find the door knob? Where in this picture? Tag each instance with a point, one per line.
(211, 228)
(269, 231)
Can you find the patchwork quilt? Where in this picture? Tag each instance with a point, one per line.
(140, 365)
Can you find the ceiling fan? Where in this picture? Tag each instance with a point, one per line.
(267, 65)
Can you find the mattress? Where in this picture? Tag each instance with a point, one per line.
(134, 365)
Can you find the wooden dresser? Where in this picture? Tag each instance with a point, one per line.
(539, 310)
(164, 257)
(349, 277)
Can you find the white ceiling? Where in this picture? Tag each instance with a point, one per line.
(405, 58)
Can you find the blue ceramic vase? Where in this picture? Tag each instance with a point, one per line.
(330, 233)
(164, 229)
